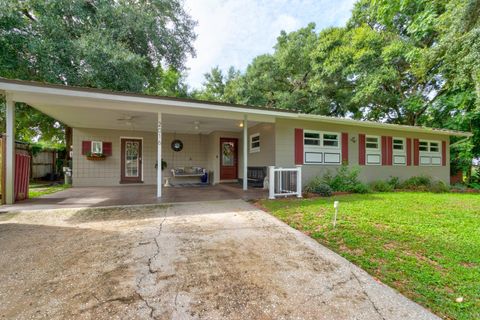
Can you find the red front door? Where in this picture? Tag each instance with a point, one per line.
(228, 158)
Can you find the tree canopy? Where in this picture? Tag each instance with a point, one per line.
(125, 45)
(411, 62)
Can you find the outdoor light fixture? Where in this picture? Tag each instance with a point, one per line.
(241, 124)
(353, 139)
(196, 125)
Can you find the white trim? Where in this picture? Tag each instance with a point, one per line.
(430, 158)
(379, 143)
(121, 155)
(159, 156)
(373, 153)
(245, 153)
(399, 154)
(319, 154)
(256, 149)
(10, 150)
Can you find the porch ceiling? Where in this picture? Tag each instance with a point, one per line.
(78, 117)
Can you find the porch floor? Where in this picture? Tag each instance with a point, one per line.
(134, 195)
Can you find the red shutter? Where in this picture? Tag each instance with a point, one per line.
(107, 148)
(344, 147)
(361, 149)
(298, 146)
(416, 152)
(390, 150)
(384, 151)
(86, 147)
(444, 153)
(409, 151)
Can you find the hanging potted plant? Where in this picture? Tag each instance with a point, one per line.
(96, 156)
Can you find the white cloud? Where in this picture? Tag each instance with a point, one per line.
(233, 32)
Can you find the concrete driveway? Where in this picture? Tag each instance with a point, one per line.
(205, 260)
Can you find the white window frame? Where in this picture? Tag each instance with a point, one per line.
(254, 149)
(373, 152)
(96, 142)
(321, 152)
(396, 154)
(429, 155)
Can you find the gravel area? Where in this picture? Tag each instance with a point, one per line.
(206, 260)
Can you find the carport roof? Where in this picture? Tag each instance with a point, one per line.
(23, 88)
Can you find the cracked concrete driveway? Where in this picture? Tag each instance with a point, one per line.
(206, 260)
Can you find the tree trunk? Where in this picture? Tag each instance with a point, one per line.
(68, 144)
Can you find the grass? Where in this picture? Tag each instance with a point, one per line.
(38, 190)
(425, 245)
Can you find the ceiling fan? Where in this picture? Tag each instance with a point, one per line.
(128, 119)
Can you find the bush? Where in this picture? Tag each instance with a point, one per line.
(474, 185)
(360, 188)
(439, 187)
(394, 182)
(317, 186)
(345, 180)
(381, 186)
(422, 183)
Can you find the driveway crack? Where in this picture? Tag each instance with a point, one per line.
(151, 269)
(368, 297)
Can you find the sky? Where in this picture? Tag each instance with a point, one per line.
(233, 32)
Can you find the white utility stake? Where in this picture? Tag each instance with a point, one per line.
(335, 205)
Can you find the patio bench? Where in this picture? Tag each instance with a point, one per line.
(188, 172)
(256, 176)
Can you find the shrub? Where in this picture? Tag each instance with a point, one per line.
(439, 187)
(381, 186)
(394, 182)
(345, 180)
(317, 186)
(459, 187)
(360, 188)
(417, 183)
(474, 185)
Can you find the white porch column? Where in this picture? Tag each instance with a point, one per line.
(245, 152)
(10, 151)
(159, 155)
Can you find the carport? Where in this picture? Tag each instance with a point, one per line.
(90, 197)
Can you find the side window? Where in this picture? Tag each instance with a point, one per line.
(322, 147)
(312, 139)
(372, 143)
(399, 151)
(97, 147)
(255, 143)
(330, 140)
(430, 153)
(373, 152)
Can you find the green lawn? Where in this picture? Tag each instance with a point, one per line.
(425, 245)
(37, 190)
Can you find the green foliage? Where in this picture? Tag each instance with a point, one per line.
(345, 180)
(409, 62)
(439, 187)
(381, 186)
(317, 186)
(421, 183)
(136, 46)
(474, 185)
